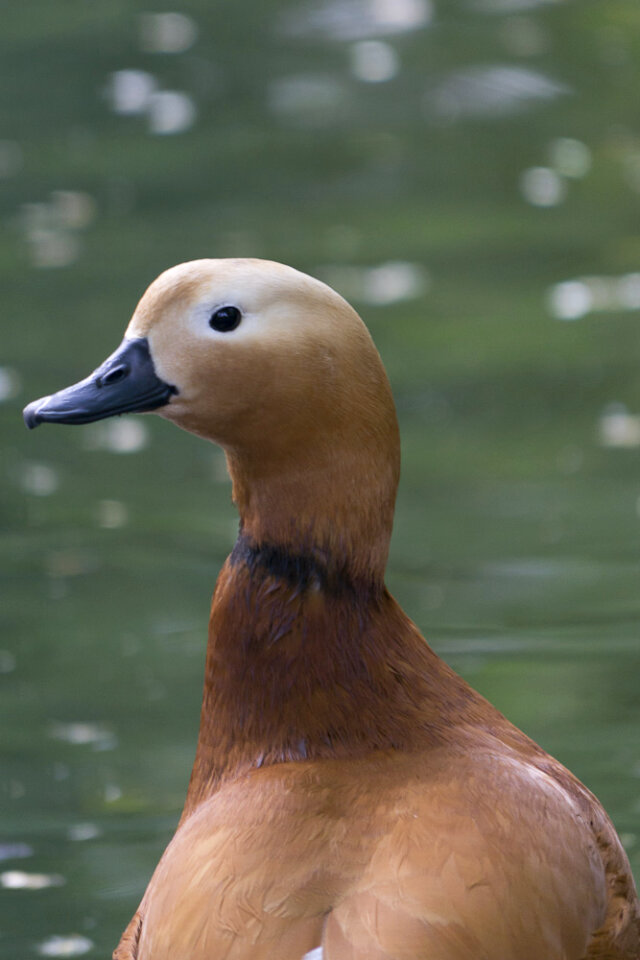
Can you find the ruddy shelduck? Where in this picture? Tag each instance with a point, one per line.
(350, 792)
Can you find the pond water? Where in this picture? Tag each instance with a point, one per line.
(467, 172)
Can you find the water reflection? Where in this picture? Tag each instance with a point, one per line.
(72, 945)
(497, 90)
(112, 514)
(52, 228)
(39, 479)
(10, 383)
(380, 285)
(80, 832)
(619, 428)
(167, 32)
(570, 157)
(357, 19)
(373, 61)
(170, 112)
(130, 91)
(15, 851)
(124, 435)
(112, 793)
(573, 299)
(136, 93)
(542, 187)
(83, 734)
(20, 880)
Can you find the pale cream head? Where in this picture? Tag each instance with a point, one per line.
(300, 355)
(296, 393)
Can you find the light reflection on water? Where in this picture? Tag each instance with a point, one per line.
(20, 880)
(497, 90)
(171, 111)
(167, 32)
(619, 428)
(573, 299)
(130, 91)
(10, 383)
(124, 435)
(381, 285)
(53, 228)
(542, 187)
(373, 61)
(71, 945)
(356, 19)
(136, 93)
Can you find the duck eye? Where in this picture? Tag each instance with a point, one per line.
(225, 319)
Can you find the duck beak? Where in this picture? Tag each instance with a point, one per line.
(125, 383)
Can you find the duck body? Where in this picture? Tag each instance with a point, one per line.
(349, 790)
(455, 837)
(382, 875)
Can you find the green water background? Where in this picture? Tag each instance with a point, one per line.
(468, 173)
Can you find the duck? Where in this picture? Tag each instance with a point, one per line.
(351, 797)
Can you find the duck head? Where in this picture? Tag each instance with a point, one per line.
(279, 370)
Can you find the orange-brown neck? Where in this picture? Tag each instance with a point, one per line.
(352, 530)
(309, 657)
(329, 494)
(307, 662)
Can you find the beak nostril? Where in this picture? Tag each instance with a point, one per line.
(125, 383)
(113, 376)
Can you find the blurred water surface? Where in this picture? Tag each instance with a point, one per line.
(468, 173)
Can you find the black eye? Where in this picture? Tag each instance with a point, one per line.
(225, 319)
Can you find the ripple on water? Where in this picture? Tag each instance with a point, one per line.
(171, 112)
(574, 299)
(124, 435)
(494, 90)
(39, 479)
(10, 383)
(374, 61)
(542, 187)
(357, 19)
(112, 514)
(379, 285)
(618, 428)
(129, 91)
(167, 32)
(69, 945)
(84, 831)
(99, 737)
(20, 880)
(52, 227)
(15, 851)
(570, 157)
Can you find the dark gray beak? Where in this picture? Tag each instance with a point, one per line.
(125, 383)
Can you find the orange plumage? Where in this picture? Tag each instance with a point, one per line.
(349, 790)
